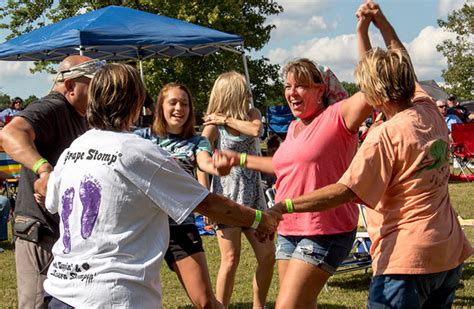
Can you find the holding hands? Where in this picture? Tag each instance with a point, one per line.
(268, 225)
(215, 118)
(370, 11)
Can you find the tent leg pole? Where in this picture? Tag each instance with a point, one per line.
(247, 78)
(141, 71)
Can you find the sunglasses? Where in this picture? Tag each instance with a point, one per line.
(443, 106)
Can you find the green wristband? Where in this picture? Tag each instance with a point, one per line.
(289, 205)
(243, 159)
(258, 218)
(38, 164)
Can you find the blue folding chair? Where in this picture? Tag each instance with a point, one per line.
(279, 118)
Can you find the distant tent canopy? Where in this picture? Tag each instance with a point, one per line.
(433, 89)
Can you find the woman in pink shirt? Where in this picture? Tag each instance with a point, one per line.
(317, 150)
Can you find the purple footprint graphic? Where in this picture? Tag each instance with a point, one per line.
(90, 195)
(67, 202)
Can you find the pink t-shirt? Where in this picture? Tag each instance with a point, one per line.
(317, 157)
(401, 173)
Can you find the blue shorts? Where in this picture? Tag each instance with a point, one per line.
(414, 291)
(324, 251)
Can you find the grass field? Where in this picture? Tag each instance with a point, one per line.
(344, 290)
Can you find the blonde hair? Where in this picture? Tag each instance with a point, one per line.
(386, 76)
(116, 96)
(159, 124)
(230, 96)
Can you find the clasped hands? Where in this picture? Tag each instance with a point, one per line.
(215, 118)
(368, 12)
(270, 217)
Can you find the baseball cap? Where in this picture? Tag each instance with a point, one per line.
(87, 69)
(451, 97)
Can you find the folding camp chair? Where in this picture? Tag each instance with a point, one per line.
(462, 151)
(279, 118)
(359, 258)
(8, 188)
(12, 168)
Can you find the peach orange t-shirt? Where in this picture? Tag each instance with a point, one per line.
(401, 173)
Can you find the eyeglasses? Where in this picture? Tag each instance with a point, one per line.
(442, 106)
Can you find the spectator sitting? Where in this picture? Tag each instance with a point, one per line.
(448, 118)
(455, 108)
(15, 106)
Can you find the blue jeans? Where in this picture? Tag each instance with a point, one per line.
(414, 291)
(4, 213)
(324, 251)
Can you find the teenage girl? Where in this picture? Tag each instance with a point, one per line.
(173, 130)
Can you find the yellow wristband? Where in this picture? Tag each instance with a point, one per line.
(289, 205)
(258, 218)
(38, 164)
(243, 159)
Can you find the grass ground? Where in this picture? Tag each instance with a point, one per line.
(344, 290)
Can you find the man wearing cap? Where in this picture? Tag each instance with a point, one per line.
(454, 108)
(36, 139)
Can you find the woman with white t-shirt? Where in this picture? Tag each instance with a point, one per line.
(114, 192)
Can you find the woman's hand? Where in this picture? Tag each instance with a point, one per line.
(232, 158)
(364, 16)
(222, 163)
(215, 118)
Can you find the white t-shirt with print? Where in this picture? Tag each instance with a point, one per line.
(113, 192)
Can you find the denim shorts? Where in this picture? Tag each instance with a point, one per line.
(414, 291)
(324, 251)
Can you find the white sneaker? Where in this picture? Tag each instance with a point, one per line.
(2, 250)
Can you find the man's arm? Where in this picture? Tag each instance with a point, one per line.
(17, 140)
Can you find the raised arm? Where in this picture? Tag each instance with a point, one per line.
(251, 127)
(356, 108)
(380, 21)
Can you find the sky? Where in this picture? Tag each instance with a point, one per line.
(322, 30)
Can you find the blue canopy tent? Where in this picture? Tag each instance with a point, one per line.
(119, 33)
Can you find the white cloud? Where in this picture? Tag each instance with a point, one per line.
(427, 60)
(340, 53)
(303, 8)
(16, 79)
(286, 27)
(447, 6)
(301, 16)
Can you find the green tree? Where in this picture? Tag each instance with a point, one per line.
(351, 88)
(29, 100)
(4, 100)
(459, 52)
(241, 17)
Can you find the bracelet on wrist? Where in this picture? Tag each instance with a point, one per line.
(243, 159)
(38, 164)
(289, 206)
(258, 219)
